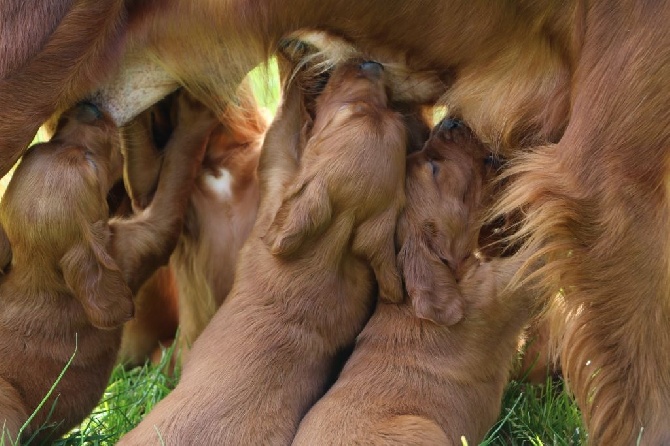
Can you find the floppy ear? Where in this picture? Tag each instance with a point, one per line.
(304, 213)
(430, 283)
(5, 250)
(96, 281)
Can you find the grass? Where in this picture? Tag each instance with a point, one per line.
(531, 415)
(130, 395)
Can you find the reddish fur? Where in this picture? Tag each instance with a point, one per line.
(589, 77)
(156, 319)
(216, 225)
(287, 319)
(42, 79)
(410, 380)
(73, 269)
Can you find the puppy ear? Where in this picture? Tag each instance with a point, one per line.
(5, 250)
(305, 212)
(96, 281)
(429, 282)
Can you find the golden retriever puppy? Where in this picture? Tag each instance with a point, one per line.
(411, 381)
(269, 352)
(221, 212)
(69, 285)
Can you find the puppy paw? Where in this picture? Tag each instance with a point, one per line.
(194, 116)
(440, 310)
(390, 286)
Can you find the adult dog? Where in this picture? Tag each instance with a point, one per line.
(583, 82)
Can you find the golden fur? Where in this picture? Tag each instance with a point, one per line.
(73, 270)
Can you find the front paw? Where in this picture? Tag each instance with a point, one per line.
(193, 115)
(440, 310)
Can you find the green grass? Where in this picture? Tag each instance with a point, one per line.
(130, 395)
(531, 415)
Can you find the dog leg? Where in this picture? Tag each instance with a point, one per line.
(142, 244)
(12, 413)
(141, 161)
(606, 247)
(374, 239)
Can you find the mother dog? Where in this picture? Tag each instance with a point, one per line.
(583, 83)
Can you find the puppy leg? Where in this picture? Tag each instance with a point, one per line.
(12, 413)
(374, 240)
(305, 212)
(142, 161)
(142, 244)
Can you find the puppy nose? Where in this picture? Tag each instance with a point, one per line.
(373, 69)
(450, 123)
(88, 112)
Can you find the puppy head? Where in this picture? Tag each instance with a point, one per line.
(355, 81)
(437, 232)
(54, 214)
(322, 51)
(84, 125)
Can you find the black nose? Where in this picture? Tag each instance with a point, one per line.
(88, 112)
(372, 68)
(450, 123)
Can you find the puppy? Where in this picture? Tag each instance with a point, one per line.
(221, 212)
(73, 271)
(409, 380)
(349, 175)
(269, 351)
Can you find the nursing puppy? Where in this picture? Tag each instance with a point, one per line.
(410, 380)
(349, 175)
(220, 215)
(288, 318)
(68, 287)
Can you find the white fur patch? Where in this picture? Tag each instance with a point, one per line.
(221, 184)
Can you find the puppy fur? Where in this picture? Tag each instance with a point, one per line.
(220, 215)
(69, 285)
(267, 355)
(350, 175)
(410, 380)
